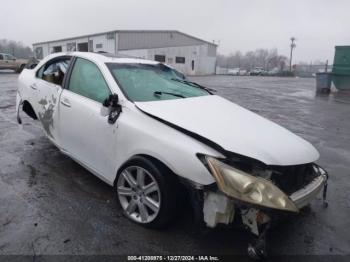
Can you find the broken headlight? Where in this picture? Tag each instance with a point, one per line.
(247, 188)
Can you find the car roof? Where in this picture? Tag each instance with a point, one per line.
(104, 57)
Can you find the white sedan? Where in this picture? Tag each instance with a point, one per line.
(141, 127)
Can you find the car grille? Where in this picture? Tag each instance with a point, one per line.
(292, 178)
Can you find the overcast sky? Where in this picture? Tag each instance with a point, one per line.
(242, 25)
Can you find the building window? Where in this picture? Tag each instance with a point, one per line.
(110, 35)
(71, 47)
(39, 53)
(56, 49)
(179, 60)
(159, 58)
(83, 47)
(99, 45)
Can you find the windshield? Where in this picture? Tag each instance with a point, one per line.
(144, 82)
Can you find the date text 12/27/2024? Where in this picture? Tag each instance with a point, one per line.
(173, 258)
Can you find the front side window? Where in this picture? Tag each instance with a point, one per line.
(147, 82)
(87, 80)
(1, 57)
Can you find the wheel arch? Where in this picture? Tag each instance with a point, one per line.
(28, 109)
(173, 193)
(154, 160)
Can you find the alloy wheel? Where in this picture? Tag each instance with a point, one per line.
(139, 194)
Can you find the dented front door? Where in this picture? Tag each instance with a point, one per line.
(86, 134)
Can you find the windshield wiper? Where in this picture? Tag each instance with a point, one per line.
(209, 90)
(159, 93)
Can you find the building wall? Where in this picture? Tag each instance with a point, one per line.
(203, 64)
(146, 44)
(102, 43)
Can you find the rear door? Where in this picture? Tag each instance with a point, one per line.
(47, 88)
(84, 130)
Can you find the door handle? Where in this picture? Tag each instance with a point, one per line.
(65, 102)
(33, 86)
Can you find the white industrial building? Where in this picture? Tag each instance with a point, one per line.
(188, 54)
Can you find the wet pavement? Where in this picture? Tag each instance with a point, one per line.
(51, 205)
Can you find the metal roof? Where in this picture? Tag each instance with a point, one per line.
(126, 31)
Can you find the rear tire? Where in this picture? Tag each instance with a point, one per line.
(146, 192)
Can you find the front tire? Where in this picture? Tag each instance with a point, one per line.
(146, 192)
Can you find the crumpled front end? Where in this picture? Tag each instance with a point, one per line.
(256, 196)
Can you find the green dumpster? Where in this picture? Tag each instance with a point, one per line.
(341, 68)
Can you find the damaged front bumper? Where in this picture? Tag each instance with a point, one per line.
(304, 196)
(219, 208)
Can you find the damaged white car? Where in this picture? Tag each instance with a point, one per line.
(155, 137)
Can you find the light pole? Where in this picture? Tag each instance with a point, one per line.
(292, 46)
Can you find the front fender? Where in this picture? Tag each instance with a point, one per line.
(139, 134)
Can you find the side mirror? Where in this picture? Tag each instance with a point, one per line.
(111, 101)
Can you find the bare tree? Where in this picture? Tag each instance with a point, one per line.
(268, 59)
(262, 57)
(15, 48)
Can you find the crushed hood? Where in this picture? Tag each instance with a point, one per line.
(234, 128)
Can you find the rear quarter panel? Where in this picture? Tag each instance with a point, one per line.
(26, 93)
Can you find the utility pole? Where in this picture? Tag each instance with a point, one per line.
(292, 46)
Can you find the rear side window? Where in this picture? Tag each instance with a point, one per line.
(54, 71)
(87, 80)
(1, 57)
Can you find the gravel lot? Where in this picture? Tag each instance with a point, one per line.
(51, 205)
